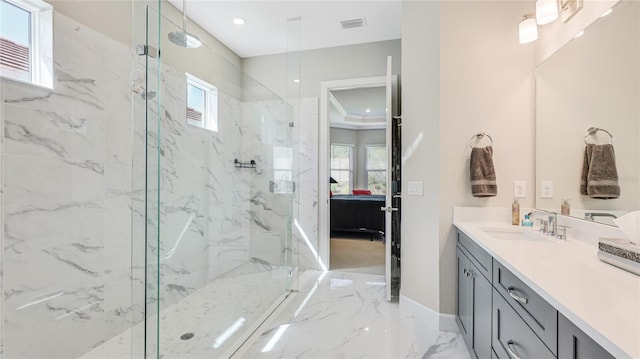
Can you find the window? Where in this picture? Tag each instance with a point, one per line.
(342, 168)
(282, 170)
(26, 38)
(202, 104)
(376, 163)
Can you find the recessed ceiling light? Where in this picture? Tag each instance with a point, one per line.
(239, 21)
(296, 80)
(367, 110)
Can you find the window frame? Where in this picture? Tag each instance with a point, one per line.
(40, 42)
(351, 168)
(366, 163)
(210, 115)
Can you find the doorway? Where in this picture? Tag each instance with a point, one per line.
(367, 200)
(357, 170)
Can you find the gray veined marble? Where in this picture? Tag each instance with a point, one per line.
(73, 202)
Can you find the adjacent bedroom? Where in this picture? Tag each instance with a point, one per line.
(358, 168)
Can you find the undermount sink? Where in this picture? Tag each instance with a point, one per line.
(515, 233)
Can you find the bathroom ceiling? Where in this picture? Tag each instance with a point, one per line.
(352, 105)
(266, 30)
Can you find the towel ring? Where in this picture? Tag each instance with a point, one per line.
(478, 136)
(593, 130)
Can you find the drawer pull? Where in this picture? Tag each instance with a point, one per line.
(512, 350)
(520, 299)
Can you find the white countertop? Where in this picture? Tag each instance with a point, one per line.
(602, 300)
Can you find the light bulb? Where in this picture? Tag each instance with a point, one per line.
(528, 30)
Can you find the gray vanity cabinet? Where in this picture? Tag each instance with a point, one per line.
(512, 337)
(573, 343)
(473, 304)
(501, 317)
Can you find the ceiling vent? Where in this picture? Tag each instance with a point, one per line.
(351, 24)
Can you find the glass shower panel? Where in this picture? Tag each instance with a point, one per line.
(218, 202)
(66, 196)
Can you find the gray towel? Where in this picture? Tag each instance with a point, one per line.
(599, 173)
(483, 174)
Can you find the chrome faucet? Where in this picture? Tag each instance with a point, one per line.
(553, 224)
(589, 215)
(550, 223)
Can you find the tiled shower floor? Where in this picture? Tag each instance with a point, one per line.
(206, 314)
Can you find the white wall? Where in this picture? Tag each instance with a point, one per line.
(335, 63)
(345, 62)
(420, 151)
(463, 72)
(115, 19)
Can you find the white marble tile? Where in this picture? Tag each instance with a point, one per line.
(207, 314)
(345, 315)
(306, 230)
(35, 180)
(59, 224)
(31, 131)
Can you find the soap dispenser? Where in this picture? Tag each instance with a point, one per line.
(527, 222)
(515, 212)
(565, 208)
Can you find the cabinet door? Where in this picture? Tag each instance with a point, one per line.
(512, 337)
(481, 314)
(573, 343)
(464, 307)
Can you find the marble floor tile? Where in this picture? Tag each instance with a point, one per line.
(334, 315)
(345, 315)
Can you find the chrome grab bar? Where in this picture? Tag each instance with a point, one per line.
(520, 299)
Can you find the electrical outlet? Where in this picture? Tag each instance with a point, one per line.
(519, 189)
(546, 189)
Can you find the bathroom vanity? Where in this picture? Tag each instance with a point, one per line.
(522, 294)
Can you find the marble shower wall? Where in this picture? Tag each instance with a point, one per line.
(217, 220)
(66, 164)
(73, 193)
(306, 231)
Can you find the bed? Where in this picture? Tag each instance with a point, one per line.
(359, 214)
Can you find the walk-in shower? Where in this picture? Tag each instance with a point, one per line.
(128, 230)
(219, 253)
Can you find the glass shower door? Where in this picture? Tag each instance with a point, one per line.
(219, 255)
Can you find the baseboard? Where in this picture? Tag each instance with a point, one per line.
(428, 319)
(448, 323)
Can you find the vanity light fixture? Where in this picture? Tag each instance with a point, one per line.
(239, 21)
(528, 29)
(546, 11)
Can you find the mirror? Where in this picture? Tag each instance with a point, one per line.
(592, 81)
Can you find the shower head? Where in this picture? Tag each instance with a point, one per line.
(145, 95)
(184, 39)
(148, 95)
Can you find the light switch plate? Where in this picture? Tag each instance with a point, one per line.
(546, 189)
(519, 189)
(415, 188)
